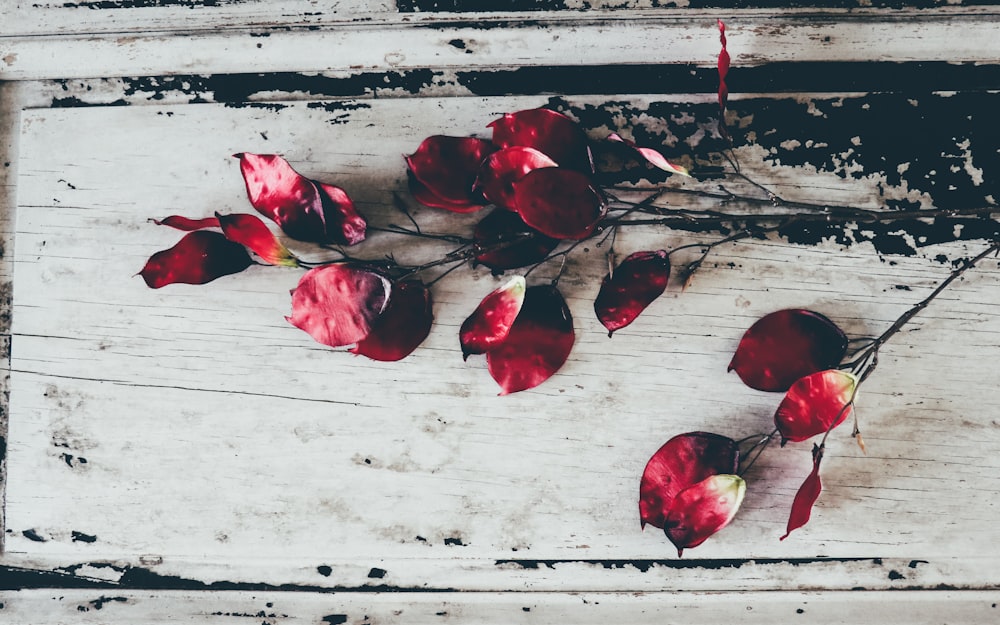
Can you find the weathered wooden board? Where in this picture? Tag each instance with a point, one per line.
(191, 434)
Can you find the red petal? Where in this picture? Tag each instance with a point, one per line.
(446, 167)
(637, 281)
(559, 202)
(501, 226)
(338, 304)
(502, 168)
(251, 231)
(279, 193)
(652, 156)
(683, 461)
(785, 346)
(490, 323)
(426, 197)
(703, 509)
(815, 404)
(723, 71)
(538, 343)
(806, 496)
(183, 223)
(198, 258)
(549, 132)
(403, 326)
(344, 224)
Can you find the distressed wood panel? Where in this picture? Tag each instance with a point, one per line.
(296, 464)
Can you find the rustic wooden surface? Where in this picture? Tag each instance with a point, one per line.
(186, 453)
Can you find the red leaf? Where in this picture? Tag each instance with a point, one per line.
(806, 496)
(344, 224)
(636, 282)
(490, 323)
(188, 225)
(787, 345)
(251, 231)
(652, 156)
(502, 168)
(197, 258)
(338, 304)
(446, 170)
(559, 202)
(703, 509)
(723, 71)
(528, 246)
(538, 343)
(682, 461)
(549, 132)
(815, 404)
(403, 325)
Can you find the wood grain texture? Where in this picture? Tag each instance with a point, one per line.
(194, 435)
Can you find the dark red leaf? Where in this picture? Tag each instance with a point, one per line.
(815, 404)
(403, 325)
(703, 509)
(681, 462)
(502, 168)
(549, 132)
(338, 304)
(506, 242)
(490, 323)
(344, 224)
(199, 257)
(652, 156)
(806, 496)
(787, 345)
(559, 202)
(188, 225)
(723, 71)
(538, 343)
(251, 231)
(636, 282)
(446, 170)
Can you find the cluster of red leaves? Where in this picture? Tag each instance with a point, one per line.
(793, 351)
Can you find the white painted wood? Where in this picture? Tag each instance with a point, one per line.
(391, 42)
(226, 445)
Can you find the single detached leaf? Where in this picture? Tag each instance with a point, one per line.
(558, 202)
(490, 323)
(636, 282)
(549, 132)
(815, 404)
(338, 304)
(787, 345)
(652, 156)
(681, 462)
(403, 325)
(504, 242)
(199, 257)
(283, 195)
(251, 231)
(344, 224)
(703, 509)
(806, 496)
(446, 169)
(723, 65)
(186, 224)
(502, 168)
(538, 343)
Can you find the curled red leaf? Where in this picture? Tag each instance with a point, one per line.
(806, 496)
(681, 462)
(635, 284)
(815, 404)
(403, 325)
(199, 257)
(558, 202)
(723, 66)
(701, 510)
(652, 156)
(444, 171)
(504, 242)
(305, 210)
(489, 325)
(338, 304)
(188, 225)
(504, 167)
(538, 344)
(251, 231)
(549, 132)
(786, 345)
